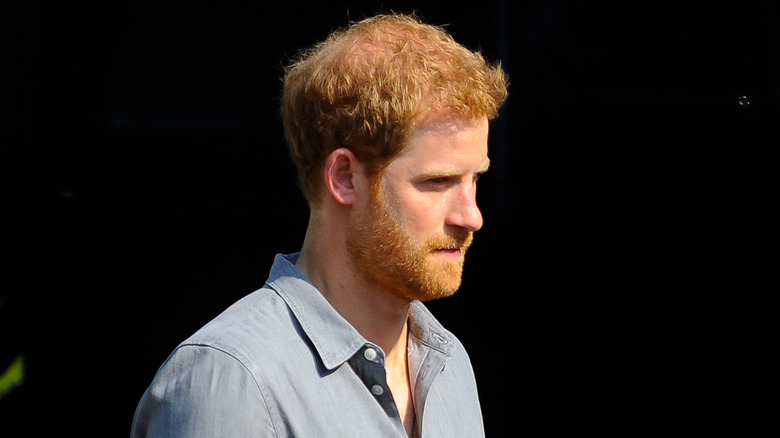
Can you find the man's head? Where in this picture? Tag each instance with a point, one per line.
(387, 122)
(366, 87)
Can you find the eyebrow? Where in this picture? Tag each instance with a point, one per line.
(445, 173)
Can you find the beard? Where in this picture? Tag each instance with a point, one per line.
(393, 261)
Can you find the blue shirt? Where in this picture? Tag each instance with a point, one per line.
(281, 362)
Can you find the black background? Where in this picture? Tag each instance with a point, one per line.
(624, 284)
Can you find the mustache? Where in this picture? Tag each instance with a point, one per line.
(460, 239)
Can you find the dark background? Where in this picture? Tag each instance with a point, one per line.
(625, 282)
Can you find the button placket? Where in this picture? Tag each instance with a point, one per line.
(373, 356)
(369, 365)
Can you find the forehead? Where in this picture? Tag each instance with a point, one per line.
(457, 142)
(445, 124)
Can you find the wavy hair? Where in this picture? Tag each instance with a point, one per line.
(366, 86)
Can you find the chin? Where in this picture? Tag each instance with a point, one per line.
(437, 285)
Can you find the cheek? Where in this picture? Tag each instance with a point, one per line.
(420, 216)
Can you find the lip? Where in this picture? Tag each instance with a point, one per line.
(451, 252)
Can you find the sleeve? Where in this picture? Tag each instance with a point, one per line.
(201, 391)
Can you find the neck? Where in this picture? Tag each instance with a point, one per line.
(379, 315)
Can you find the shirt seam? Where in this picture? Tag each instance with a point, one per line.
(259, 383)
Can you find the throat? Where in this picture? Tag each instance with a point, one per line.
(400, 383)
(401, 388)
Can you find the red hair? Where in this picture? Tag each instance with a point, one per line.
(366, 86)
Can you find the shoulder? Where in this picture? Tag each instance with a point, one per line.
(184, 398)
(216, 380)
(241, 339)
(249, 341)
(252, 324)
(452, 404)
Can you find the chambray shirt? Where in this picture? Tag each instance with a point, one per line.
(281, 362)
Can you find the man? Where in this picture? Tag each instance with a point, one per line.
(387, 122)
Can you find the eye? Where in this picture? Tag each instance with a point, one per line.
(438, 183)
(435, 183)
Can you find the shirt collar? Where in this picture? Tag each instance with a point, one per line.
(334, 338)
(425, 327)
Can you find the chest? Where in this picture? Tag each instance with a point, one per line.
(346, 404)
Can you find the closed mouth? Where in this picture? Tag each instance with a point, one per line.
(449, 251)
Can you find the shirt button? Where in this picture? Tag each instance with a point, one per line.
(370, 354)
(377, 389)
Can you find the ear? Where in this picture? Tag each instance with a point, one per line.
(342, 174)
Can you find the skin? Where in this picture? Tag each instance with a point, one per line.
(414, 223)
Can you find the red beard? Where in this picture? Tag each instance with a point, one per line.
(392, 260)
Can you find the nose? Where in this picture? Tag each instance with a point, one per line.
(464, 211)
